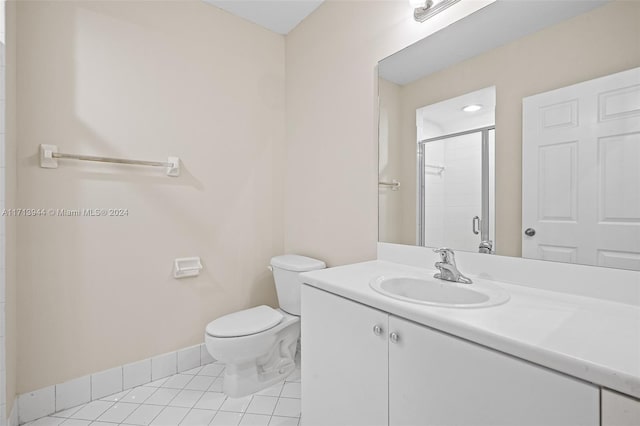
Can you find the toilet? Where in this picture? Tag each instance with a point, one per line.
(258, 345)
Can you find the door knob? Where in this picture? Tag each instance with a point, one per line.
(377, 330)
(394, 337)
(529, 232)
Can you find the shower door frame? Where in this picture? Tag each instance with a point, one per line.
(420, 187)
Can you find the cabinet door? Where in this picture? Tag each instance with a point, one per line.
(344, 362)
(619, 410)
(438, 379)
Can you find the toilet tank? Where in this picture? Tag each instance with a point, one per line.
(286, 271)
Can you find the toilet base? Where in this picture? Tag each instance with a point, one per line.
(251, 377)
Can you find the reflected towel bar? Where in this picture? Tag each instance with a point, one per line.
(394, 184)
(435, 166)
(49, 156)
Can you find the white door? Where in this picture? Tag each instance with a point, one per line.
(439, 379)
(344, 361)
(581, 173)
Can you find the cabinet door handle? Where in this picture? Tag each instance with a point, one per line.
(394, 337)
(377, 330)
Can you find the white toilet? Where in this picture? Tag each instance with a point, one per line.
(258, 345)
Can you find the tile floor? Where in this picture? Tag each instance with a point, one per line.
(192, 398)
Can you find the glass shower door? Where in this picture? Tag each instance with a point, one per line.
(456, 191)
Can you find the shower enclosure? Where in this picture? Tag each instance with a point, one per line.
(456, 181)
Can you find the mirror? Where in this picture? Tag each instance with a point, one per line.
(549, 166)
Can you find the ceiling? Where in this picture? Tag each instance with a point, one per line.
(447, 117)
(280, 16)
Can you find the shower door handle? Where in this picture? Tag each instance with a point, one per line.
(475, 225)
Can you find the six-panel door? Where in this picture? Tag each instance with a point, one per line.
(580, 180)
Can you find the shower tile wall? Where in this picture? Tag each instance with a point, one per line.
(454, 196)
(3, 386)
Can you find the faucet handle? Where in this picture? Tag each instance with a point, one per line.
(446, 254)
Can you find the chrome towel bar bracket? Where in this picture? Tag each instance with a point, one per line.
(394, 184)
(49, 156)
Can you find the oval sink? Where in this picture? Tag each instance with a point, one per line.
(436, 292)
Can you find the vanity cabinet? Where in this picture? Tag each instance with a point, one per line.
(619, 410)
(363, 366)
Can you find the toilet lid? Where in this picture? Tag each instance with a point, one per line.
(243, 323)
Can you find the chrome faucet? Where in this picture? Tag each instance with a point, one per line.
(447, 267)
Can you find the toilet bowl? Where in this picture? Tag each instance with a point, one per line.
(258, 345)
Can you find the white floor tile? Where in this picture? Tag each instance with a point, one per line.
(193, 371)
(118, 412)
(68, 412)
(143, 415)
(238, 405)
(262, 405)
(254, 420)
(162, 396)
(170, 416)
(213, 370)
(139, 395)
(178, 381)
(272, 391)
(75, 422)
(294, 376)
(198, 417)
(186, 398)
(291, 390)
(224, 418)
(201, 383)
(47, 421)
(157, 383)
(160, 404)
(287, 407)
(217, 385)
(211, 401)
(115, 397)
(92, 410)
(283, 421)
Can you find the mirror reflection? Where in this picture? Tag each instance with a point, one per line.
(523, 140)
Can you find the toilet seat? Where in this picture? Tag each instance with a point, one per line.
(244, 323)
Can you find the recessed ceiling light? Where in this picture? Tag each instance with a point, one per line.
(472, 108)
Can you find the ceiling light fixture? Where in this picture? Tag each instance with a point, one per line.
(472, 108)
(425, 9)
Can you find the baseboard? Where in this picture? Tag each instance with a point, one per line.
(49, 400)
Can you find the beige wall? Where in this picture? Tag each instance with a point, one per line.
(603, 41)
(331, 166)
(142, 80)
(10, 188)
(390, 159)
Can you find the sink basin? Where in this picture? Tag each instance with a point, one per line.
(436, 292)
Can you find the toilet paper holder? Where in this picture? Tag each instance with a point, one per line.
(187, 267)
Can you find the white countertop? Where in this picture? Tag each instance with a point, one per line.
(591, 339)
